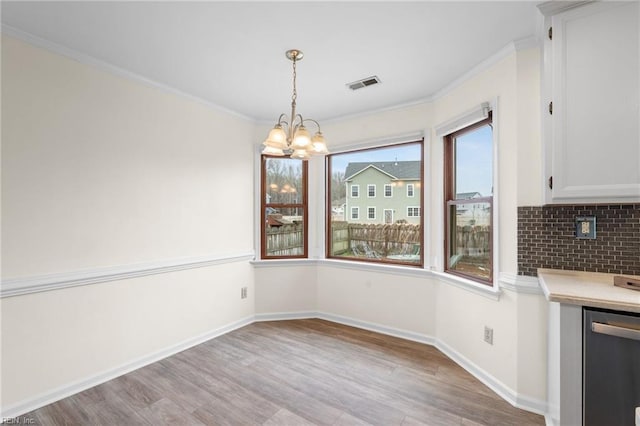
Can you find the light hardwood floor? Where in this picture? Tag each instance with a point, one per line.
(299, 372)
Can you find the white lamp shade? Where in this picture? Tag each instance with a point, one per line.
(277, 138)
(301, 154)
(269, 150)
(301, 139)
(318, 144)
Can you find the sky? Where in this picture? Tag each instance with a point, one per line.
(404, 152)
(475, 161)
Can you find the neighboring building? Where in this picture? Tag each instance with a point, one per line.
(383, 192)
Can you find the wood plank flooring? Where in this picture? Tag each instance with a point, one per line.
(300, 372)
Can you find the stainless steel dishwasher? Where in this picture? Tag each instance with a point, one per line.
(610, 368)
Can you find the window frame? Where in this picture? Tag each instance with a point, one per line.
(369, 208)
(413, 190)
(375, 190)
(303, 203)
(450, 200)
(357, 188)
(357, 210)
(410, 209)
(420, 140)
(390, 187)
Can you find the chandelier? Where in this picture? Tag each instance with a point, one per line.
(291, 137)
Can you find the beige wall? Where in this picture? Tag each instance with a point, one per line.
(100, 171)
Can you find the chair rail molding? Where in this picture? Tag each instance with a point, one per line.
(35, 284)
(520, 283)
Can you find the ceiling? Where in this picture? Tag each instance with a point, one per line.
(231, 54)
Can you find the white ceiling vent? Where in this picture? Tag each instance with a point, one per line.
(359, 84)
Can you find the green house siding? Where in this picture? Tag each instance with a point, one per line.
(397, 204)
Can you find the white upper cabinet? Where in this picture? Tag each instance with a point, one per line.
(592, 86)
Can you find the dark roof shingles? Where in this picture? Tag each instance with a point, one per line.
(397, 169)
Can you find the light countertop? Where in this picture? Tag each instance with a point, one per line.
(591, 289)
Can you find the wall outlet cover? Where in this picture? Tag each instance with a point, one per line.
(586, 227)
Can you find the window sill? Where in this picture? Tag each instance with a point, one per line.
(491, 292)
(269, 263)
(376, 267)
(465, 284)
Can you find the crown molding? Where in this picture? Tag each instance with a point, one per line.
(550, 8)
(85, 59)
(510, 48)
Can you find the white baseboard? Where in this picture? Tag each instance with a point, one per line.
(515, 399)
(379, 328)
(283, 316)
(520, 401)
(69, 389)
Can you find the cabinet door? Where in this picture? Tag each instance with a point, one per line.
(596, 103)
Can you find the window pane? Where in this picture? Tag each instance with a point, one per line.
(377, 228)
(285, 233)
(284, 206)
(413, 211)
(470, 239)
(284, 181)
(474, 164)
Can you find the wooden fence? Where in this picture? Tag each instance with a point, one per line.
(375, 240)
(473, 241)
(285, 240)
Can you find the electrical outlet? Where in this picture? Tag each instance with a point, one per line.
(488, 335)
(244, 291)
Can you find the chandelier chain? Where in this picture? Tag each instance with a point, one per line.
(294, 96)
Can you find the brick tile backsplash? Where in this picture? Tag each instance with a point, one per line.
(546, 239)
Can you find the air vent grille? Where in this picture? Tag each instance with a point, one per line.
(359, 84)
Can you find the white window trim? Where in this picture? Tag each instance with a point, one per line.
(358, 190)
(369, 186)
(413, 190)
(409, 208)
(388, 185)
(466, 119)
(375, 213)
(357, 210)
